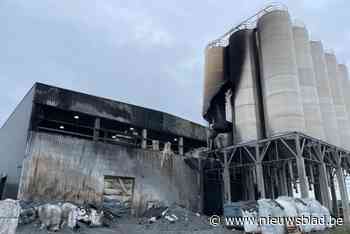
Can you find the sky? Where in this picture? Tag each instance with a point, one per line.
(148, 53)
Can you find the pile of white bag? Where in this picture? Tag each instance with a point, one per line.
(9, 213)
(289, 210)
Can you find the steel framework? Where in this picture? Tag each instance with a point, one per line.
(275, 166)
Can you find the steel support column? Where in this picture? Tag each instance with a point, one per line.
(227, 180)
(259, 173)
(343, 192)
(301, 169)
(324, 183)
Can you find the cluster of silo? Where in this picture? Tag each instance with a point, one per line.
(281, 82)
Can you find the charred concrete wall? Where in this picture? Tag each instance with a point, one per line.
(13, 138)
(122, 112)
(66, 168)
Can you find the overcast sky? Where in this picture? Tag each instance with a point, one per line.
(148, 53)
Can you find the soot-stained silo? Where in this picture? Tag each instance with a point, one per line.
(307, 82)
(214, 86)
(243, 73)
(280, 87)
(338, 99)
(324, 93)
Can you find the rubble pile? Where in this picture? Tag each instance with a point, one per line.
(114, 209)
(174, 217)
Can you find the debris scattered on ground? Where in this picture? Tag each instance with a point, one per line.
(114, 209)
(157, 219)
(28, 212)
(9, 215)
(174, 218)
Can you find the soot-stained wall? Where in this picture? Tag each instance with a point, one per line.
(66, 168)
(114, 110)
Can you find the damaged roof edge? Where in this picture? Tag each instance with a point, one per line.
(123, 112)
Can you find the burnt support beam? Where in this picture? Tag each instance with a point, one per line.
(259, 173)
(181, 145)
(301, 169)
(97, 127)
(144, 139)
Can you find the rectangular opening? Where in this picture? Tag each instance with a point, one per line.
(119, 191)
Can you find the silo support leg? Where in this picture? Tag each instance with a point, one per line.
(302, 177)
(260, 179)
(284, 187)
(334, 195)
(259, 173)
(343, 194)
(301, 169)
(227, 180)
(324, 186)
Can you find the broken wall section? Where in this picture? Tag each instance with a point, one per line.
(66, 168)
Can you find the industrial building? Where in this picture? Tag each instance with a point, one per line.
(61, 145)
(288, 102)
(278, 110)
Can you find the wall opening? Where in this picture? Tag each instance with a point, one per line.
(213, 192)
(119, 191)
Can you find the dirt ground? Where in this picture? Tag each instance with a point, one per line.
(131, 227)
(126, 229)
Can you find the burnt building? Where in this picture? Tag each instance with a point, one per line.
(64, 145)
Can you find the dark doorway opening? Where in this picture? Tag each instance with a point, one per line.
(213, 192)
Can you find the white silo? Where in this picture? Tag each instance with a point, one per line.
(345, 84)
(324, 93)
(343, 81)
(338, 99)
(307, 82)
(280, 86)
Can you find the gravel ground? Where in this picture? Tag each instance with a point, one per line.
(191, 224)
(132, 227)
(126, 229)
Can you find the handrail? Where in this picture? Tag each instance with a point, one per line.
(246, 24)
